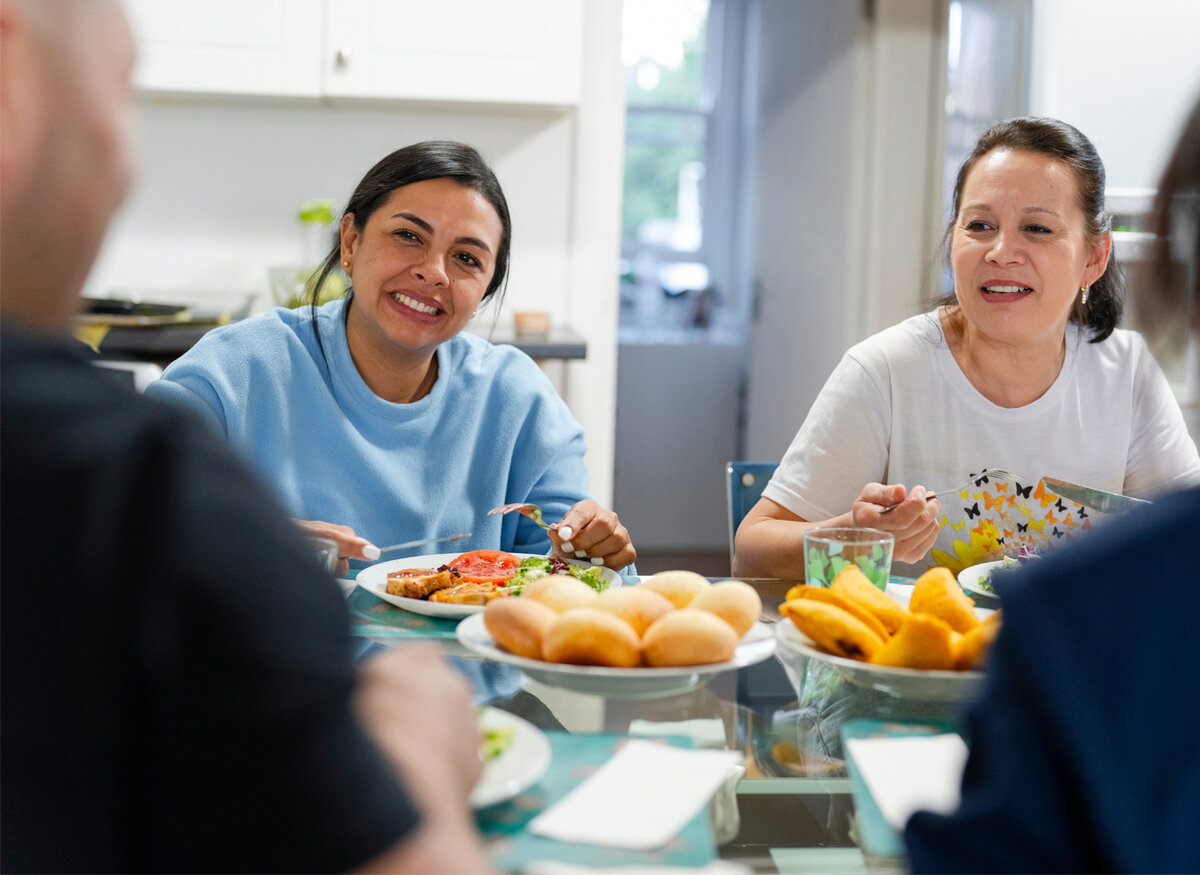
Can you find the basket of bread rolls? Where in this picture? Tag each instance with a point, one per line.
(933, 647)
(666, 634)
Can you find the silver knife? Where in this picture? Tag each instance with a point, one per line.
(408, 545)
(1096, 499)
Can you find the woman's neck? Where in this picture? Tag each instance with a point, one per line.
(1008, 375)
(397, 375)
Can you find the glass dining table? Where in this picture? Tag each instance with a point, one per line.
(793, 808)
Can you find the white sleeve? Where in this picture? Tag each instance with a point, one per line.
(1162, 455)
(842, 445)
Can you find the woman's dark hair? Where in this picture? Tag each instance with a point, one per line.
(432, 159)
(1062, 142)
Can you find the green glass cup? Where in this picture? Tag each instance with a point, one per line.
(828, 550)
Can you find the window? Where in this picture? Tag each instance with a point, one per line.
(677, 161)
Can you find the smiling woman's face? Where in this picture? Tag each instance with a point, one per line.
(1019, 250)
(420, 266)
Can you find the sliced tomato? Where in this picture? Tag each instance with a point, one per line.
(485, 566)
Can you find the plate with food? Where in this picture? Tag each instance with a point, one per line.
(457, 585)
(978, 578)
(926, 641)
(663, 636)
(515, 755)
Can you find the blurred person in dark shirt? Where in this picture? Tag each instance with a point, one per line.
(177, 686)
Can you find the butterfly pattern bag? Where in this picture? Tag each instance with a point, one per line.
(992, 519)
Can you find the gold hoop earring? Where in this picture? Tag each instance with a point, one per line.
(1083, 290)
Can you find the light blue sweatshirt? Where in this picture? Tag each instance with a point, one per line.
(492, 431)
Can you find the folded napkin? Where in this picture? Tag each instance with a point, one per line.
(640, 799)
(910, 773)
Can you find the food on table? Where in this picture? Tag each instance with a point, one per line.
(832, 629)
(588, 636)
(856, 586)
(938, 594)
(688, 636)
(735, 602)
(636, 605)
(420, 583)
(485, 566)
(678, 586)
(821, 594)
(480, 576)
(838, 621)
(640, 625)
(922, 641)
(519, 625)
(495, 740)
(975, 645)
(469, 592)
(560, 592)
(534, 567)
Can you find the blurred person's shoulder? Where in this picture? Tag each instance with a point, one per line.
(914, 342)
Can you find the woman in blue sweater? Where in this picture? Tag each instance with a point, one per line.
(375, 417)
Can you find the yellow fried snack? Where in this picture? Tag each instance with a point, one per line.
(921, 641)
(838, 600)
(938, 594)
(832, 629)
(855, 585)
(976, 643)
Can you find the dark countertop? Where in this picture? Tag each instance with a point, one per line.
(162, 344)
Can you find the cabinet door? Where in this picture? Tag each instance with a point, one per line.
(252, 47)
(484, 51)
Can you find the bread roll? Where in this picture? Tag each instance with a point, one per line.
(735, 602)
(938, 594)
(519, 625)
(678, 586)
(561, 592)
(688, 637)
(589, 636)
(636, 605)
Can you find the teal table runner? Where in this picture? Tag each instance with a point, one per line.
(574, 757)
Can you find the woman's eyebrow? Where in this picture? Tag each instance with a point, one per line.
(428, 229)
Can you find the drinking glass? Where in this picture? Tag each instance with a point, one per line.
(829, 549)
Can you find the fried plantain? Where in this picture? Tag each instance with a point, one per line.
(832, 629)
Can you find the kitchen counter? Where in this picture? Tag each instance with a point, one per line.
(164, 343)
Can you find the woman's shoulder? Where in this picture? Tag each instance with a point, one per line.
(477, 354)
(1123, 349)
(911, 341)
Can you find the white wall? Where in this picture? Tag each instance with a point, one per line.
(1125, 73)
(221, 183)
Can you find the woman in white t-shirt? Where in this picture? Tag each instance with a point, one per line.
(1021, 369)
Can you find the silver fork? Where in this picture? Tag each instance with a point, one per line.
(991, 474)
(530, 511)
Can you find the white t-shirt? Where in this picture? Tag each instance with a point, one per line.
(898, 409)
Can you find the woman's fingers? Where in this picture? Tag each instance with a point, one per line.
(350, 545)
(589, 531)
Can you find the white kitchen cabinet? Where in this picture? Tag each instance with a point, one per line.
(517, 51)
(525, 52)
(237, 47)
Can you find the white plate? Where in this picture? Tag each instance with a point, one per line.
(518, 766)
(968, 578)
(906, 683)
(618, 683)
(374, 580)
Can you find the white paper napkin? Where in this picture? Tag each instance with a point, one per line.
(706, 732)
(910, 773)
(640, 799)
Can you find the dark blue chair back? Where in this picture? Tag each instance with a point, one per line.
(744, 483)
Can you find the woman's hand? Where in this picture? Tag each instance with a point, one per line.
(913, 521)
(589, 531)
(350, 545)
